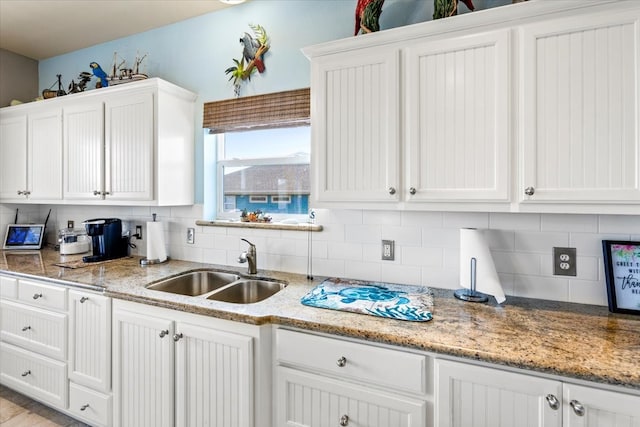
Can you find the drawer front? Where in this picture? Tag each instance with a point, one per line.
(34, 375)
(8, 287)
(43, 295)
(89, 405)
(39, 330)
(308, 400)
(360, 362)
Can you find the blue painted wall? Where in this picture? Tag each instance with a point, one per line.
(194, 53)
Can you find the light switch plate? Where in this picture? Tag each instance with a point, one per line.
(191, 235)
(388, 250)
(564, 261)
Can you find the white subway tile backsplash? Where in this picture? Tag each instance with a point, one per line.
(508, 221)
(384, 218)
(363, 270)
(402, 274)
(466, 220)
(570, 223)
(620, 224)
(363, 233)
(501, 240)
(528, 241)
(517, 263)
(441, 237)
(346, 251)
(422, 219)
(587, 292)
(403, 235)
(588, 244)
(430, 257)
(541, 287)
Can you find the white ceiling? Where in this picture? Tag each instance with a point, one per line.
(41, 29)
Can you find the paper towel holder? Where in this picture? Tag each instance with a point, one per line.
(146, 261)
(471, 295)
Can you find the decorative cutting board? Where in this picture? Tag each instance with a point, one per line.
(403, 302)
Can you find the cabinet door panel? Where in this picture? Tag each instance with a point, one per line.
(90, 340)
(45, 155)
(473, 396)
(602, 408)
(307, 400)
(143, 384)
(458, 119)
(83, 151)
(580, 115)
(356, 139)
(214, 374)
(13, 157)
(129, 147)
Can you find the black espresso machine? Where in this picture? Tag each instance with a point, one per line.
(107, 239)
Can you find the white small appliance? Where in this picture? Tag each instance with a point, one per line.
(73, 241)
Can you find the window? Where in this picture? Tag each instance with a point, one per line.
(265, 170)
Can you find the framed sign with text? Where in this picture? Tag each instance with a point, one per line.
(622, 270)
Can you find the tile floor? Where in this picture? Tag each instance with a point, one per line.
(17, 410)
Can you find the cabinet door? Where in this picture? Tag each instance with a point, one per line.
(580, 113)
(474, 396)
(458, 120)
(13, 157)
(45, 155)
(143, 370)
(90, 340)
(214, 378)
(307, 400)
(129, 147)
(355, 137)
(84, 151)
(600, 408)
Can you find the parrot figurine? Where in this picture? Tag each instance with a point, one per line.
(445, 8)
(99, 73)
(250, 51)
(368, 15)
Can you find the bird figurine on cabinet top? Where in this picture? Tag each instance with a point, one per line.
(250, 51)
(368, 16)
(100, 74)
(446, 8)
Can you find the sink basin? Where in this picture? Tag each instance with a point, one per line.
(247, 291)
(195, 283)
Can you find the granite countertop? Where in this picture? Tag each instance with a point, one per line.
(571, 340)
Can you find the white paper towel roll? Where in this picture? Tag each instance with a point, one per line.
(156, 249)
(473, 245)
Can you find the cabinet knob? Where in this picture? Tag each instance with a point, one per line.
(412, 191)
(20, 192)
(36, 296)
(97, 192)
(344, 420)
(83, 299)
(164, 333)
(176, 337)
(25, 373)
(341, 362)
(26, 192)
(105, 193)
(529, 191)
(392, 190)
(577, 407)
(84, 407)
(26, 328)
(553, 401)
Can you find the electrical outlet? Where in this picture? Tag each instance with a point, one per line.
(564, 261)
(191, 235)
(388, 250)
(139, 232)
(70, 224)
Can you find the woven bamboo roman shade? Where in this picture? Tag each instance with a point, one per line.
(280, 109)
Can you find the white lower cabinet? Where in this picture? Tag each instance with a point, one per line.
(476, 396)
(89, 405)
(174, 368)
(323, 381)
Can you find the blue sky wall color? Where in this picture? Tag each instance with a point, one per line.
(194, 53)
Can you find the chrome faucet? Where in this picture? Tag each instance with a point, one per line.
(250, 256)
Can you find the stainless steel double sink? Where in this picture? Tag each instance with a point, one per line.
(219, 286)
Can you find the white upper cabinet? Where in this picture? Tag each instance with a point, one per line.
(580, 111)
(458, 119)
(356, 131)
(131, 144)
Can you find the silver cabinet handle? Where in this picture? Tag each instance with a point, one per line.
(176, 337)
(20, 192)
(25, 373)
(26, 192)
(412, 191)
(164, 333)
(529, 191)
(83, 299)
(344, 420)
(105, 193)
(577, 407)
(97, 192)
(392, 190)
(84, 407)
(36, 296)
(553, 401)
(341, 362)
(26, 328)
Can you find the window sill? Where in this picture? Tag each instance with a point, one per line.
(260, 225)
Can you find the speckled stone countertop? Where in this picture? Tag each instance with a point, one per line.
(570, 340)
